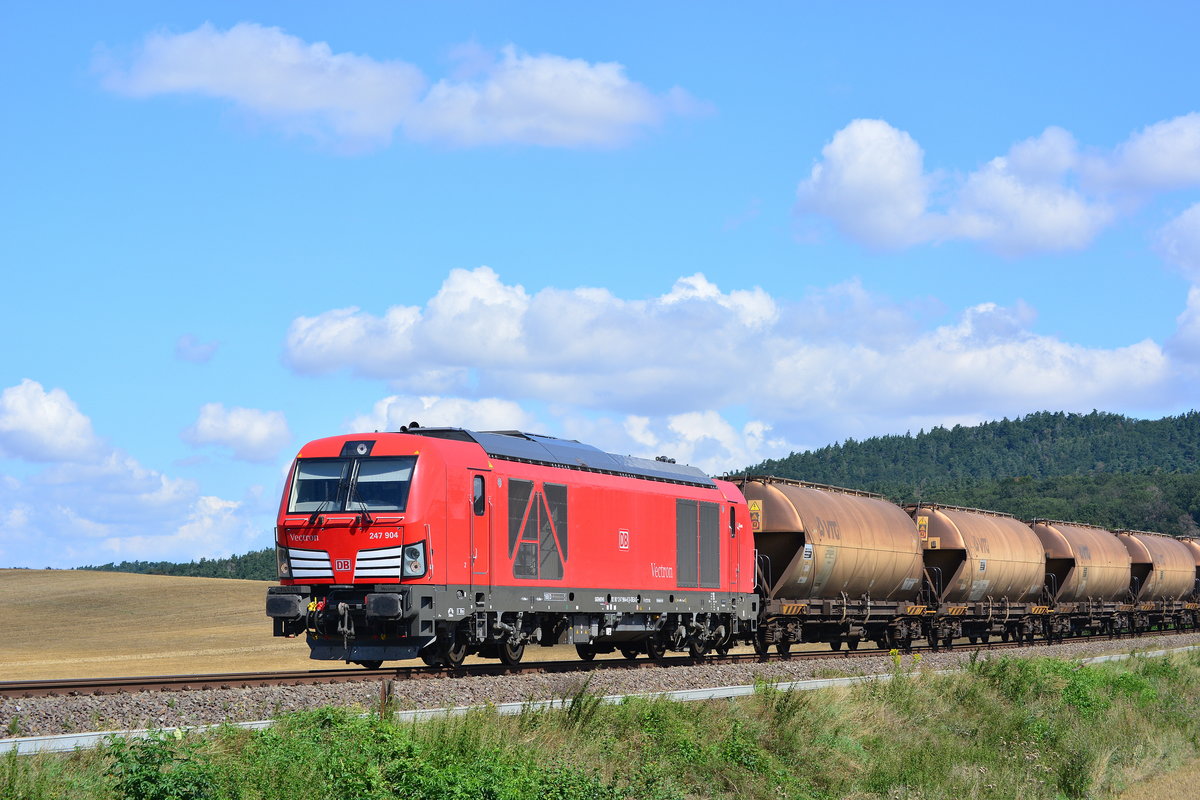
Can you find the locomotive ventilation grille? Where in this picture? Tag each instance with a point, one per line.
(384, 562)
(310, 563)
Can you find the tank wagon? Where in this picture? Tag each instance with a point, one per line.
(984, 571)
(440, 542)
(834, 565)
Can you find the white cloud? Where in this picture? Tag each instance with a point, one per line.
(839, 361)
(872, 184)
(515, 98)
(1162, 156)
(1042, 196)
(95, 503)
(37, 425)
(1179, 242)
(1184, 345)
(189, 348)
(488, 414)
(252, 434)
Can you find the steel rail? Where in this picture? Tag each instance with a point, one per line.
(117, 685)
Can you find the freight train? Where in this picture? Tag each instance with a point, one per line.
(438, 543)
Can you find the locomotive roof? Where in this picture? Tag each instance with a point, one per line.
(535, 449)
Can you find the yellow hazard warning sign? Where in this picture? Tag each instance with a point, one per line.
(756, 515)
(923, 526)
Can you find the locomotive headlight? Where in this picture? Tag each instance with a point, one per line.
(414, 560)
(281, 561)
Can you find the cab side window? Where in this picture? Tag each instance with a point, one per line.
(479, 496)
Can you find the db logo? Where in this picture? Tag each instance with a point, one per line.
(623, 540)
(342, 565)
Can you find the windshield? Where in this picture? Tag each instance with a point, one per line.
(351, 484)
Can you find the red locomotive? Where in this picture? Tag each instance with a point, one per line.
(439, 542)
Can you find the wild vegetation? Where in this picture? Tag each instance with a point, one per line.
(1004, 728)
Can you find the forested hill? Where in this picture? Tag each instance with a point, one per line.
(1101, 468)
(1039, 445)
(258, 565)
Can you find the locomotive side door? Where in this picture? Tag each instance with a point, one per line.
(481, 529)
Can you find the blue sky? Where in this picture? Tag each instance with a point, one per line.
(676, 228)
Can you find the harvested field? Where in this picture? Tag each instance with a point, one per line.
(85, 624)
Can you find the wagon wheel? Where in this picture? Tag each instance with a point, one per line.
(630, 653)
(761, 646)
(836, 644)
(655, 648)
(852, 644)
(698, 648)
(510, 653)
(370, 664)
(784, 649)
(585, 651)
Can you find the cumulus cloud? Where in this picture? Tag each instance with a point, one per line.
(511, 98)
(580, 346)
(838, 361)
(252, 434)
(37, 425)
(871, 183)
(94, 503)
(1044, 195)
(189, 348)
(1179, 242)
(1162, 156)
(488, 414)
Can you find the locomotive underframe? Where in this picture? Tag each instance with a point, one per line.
(386, 622)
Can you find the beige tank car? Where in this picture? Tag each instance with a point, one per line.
(1163, 568)
(823, 542)
(1083, 562)
(973, 555)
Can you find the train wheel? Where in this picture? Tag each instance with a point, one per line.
(370, 664)
(836, 644)
(431, 657)
(852, 644)
(630, 653)
(586, 651)
(655, 649)
(784, 649)
(453, 654)
(510, 653)
(761, 647)
(973, 639)
(697, 649)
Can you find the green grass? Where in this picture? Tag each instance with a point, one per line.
(1004, 728)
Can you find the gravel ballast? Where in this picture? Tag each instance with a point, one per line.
(45, 716)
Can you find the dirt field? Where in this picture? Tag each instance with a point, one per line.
(64, 624)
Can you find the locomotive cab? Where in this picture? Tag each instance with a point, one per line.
(354, 548)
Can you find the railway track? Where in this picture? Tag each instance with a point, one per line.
(180, 683)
